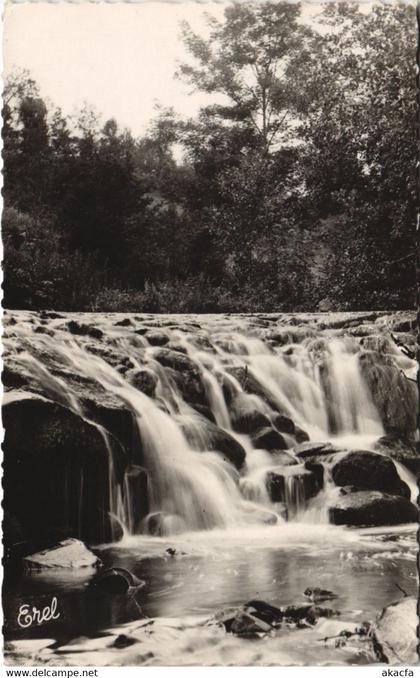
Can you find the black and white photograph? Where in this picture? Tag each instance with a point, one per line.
(210, 399)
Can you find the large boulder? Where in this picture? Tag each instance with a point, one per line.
(394, 395)
(395, 633)
(97, 402)
(372, 508)
(369, 471)
(58, 468)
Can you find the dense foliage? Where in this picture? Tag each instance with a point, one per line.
(296, 188)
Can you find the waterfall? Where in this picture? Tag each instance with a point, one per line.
(184, 440)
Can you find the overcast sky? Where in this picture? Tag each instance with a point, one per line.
(121, 57)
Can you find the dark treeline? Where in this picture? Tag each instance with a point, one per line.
(296, 190)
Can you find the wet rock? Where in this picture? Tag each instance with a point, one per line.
(285, 458)
(395, 633)
(406, 325)
(245, 416)
(144, 380)
(161, 524)
(224, 618)
(125, 322)
(344, 320)
(269, 613)
(300, 435)
(44, 330)
(223, 442)
(13, 376)
(177, 347)
(405, 452)
(372, 508)
(186, 374)
(157, 338)
(290, 335)
(248, 382)
(394, 395)
(312, 449)
(50, 315)
(136, 500)
(84, 330)
(369, 471)
(123, 641)
(317, 595)
(269, 439)
(258, 617)
(276, 484)
(205, 412)
(347, 489)
(284, 424)
(177, 361)
(98, 403)
(317, 480)
(70, 553)
(246, 624)
(209, 437)
(115, 418)
(308, 614)
(53, 453)
(116, 581)
(252, 619)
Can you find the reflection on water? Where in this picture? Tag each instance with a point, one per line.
(214, 570)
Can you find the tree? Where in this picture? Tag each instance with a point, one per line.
(245, 61)
(358, 154)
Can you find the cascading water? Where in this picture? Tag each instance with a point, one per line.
(315, 386)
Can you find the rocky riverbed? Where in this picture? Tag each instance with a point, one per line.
(220, 459)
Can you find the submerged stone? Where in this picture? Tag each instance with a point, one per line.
(116, 580)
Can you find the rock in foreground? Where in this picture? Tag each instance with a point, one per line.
(395, 633)
(70, 553)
